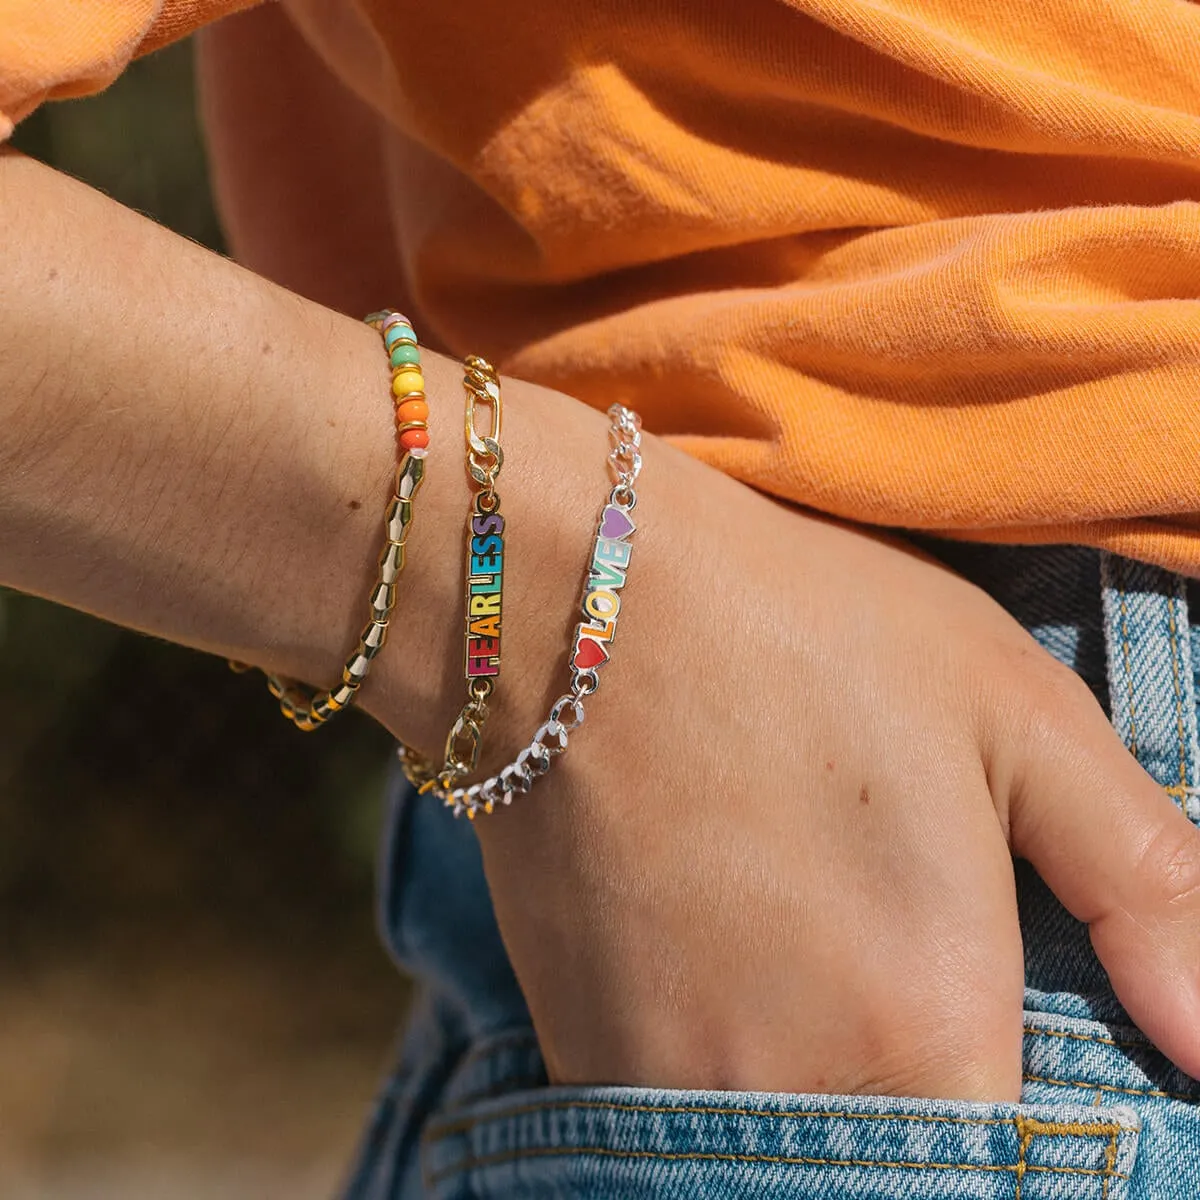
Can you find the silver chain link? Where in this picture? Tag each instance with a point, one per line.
(567, 712)
(625, 458)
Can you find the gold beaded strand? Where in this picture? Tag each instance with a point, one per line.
(307, 709)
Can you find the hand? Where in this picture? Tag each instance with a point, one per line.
(777, 855)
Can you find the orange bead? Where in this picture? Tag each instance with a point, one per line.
(412, 410)
(414, 439)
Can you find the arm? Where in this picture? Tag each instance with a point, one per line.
(190, 450)
(193, 451)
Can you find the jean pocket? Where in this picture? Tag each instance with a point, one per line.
(1073, 1057)
(637, 1143)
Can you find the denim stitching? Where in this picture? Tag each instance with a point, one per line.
(1026, 1137)
(1110, 1162)
(521, 1110)
(1175, 660)
(1029, 1127)
(1088, 1037)
(1107, 1087)
(1069, 1128)
(1133, 740)
(472, 1162)
(467, 1123)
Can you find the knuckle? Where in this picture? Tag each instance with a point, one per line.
(1047, 699)
(1172, 860)
(1033, 705)
(1057, 690)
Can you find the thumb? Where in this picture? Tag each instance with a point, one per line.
(1114, 849)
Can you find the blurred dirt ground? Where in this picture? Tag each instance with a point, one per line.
(137, 1074)
(193, 1001)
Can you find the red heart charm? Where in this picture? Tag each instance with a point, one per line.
(589, 654)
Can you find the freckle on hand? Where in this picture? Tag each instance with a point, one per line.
(355, 504)
(829, 765)
(864, 797)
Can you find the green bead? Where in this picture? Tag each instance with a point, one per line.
(396, 332)
(404, 353)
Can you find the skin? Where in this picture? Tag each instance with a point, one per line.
(778, 854)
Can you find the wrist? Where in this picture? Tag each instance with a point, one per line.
(553, 479)
(207, 457)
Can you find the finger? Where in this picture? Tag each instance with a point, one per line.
(1115, 850)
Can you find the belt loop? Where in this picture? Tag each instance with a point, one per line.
(1151, 687)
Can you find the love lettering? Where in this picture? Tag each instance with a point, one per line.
(485, 587)
(601, 596)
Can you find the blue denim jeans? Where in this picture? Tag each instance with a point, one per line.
(468, 1111)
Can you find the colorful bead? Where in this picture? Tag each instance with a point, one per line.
(404, 354)
(412, 410)
(408, 381)
(398, 333)
(414, 439)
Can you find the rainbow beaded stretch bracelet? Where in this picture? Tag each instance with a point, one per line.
(309, 710)
(408, 383)
(590, 647)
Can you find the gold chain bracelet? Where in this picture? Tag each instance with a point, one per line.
(304, 707)
(483, 604)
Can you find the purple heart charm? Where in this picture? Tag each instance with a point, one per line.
(616, 524)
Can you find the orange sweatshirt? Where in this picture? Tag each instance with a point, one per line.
(921, 263)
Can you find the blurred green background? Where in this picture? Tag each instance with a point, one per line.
(192, 998)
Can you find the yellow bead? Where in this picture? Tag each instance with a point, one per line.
(408, 381)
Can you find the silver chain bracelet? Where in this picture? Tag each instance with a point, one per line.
(590, 647)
